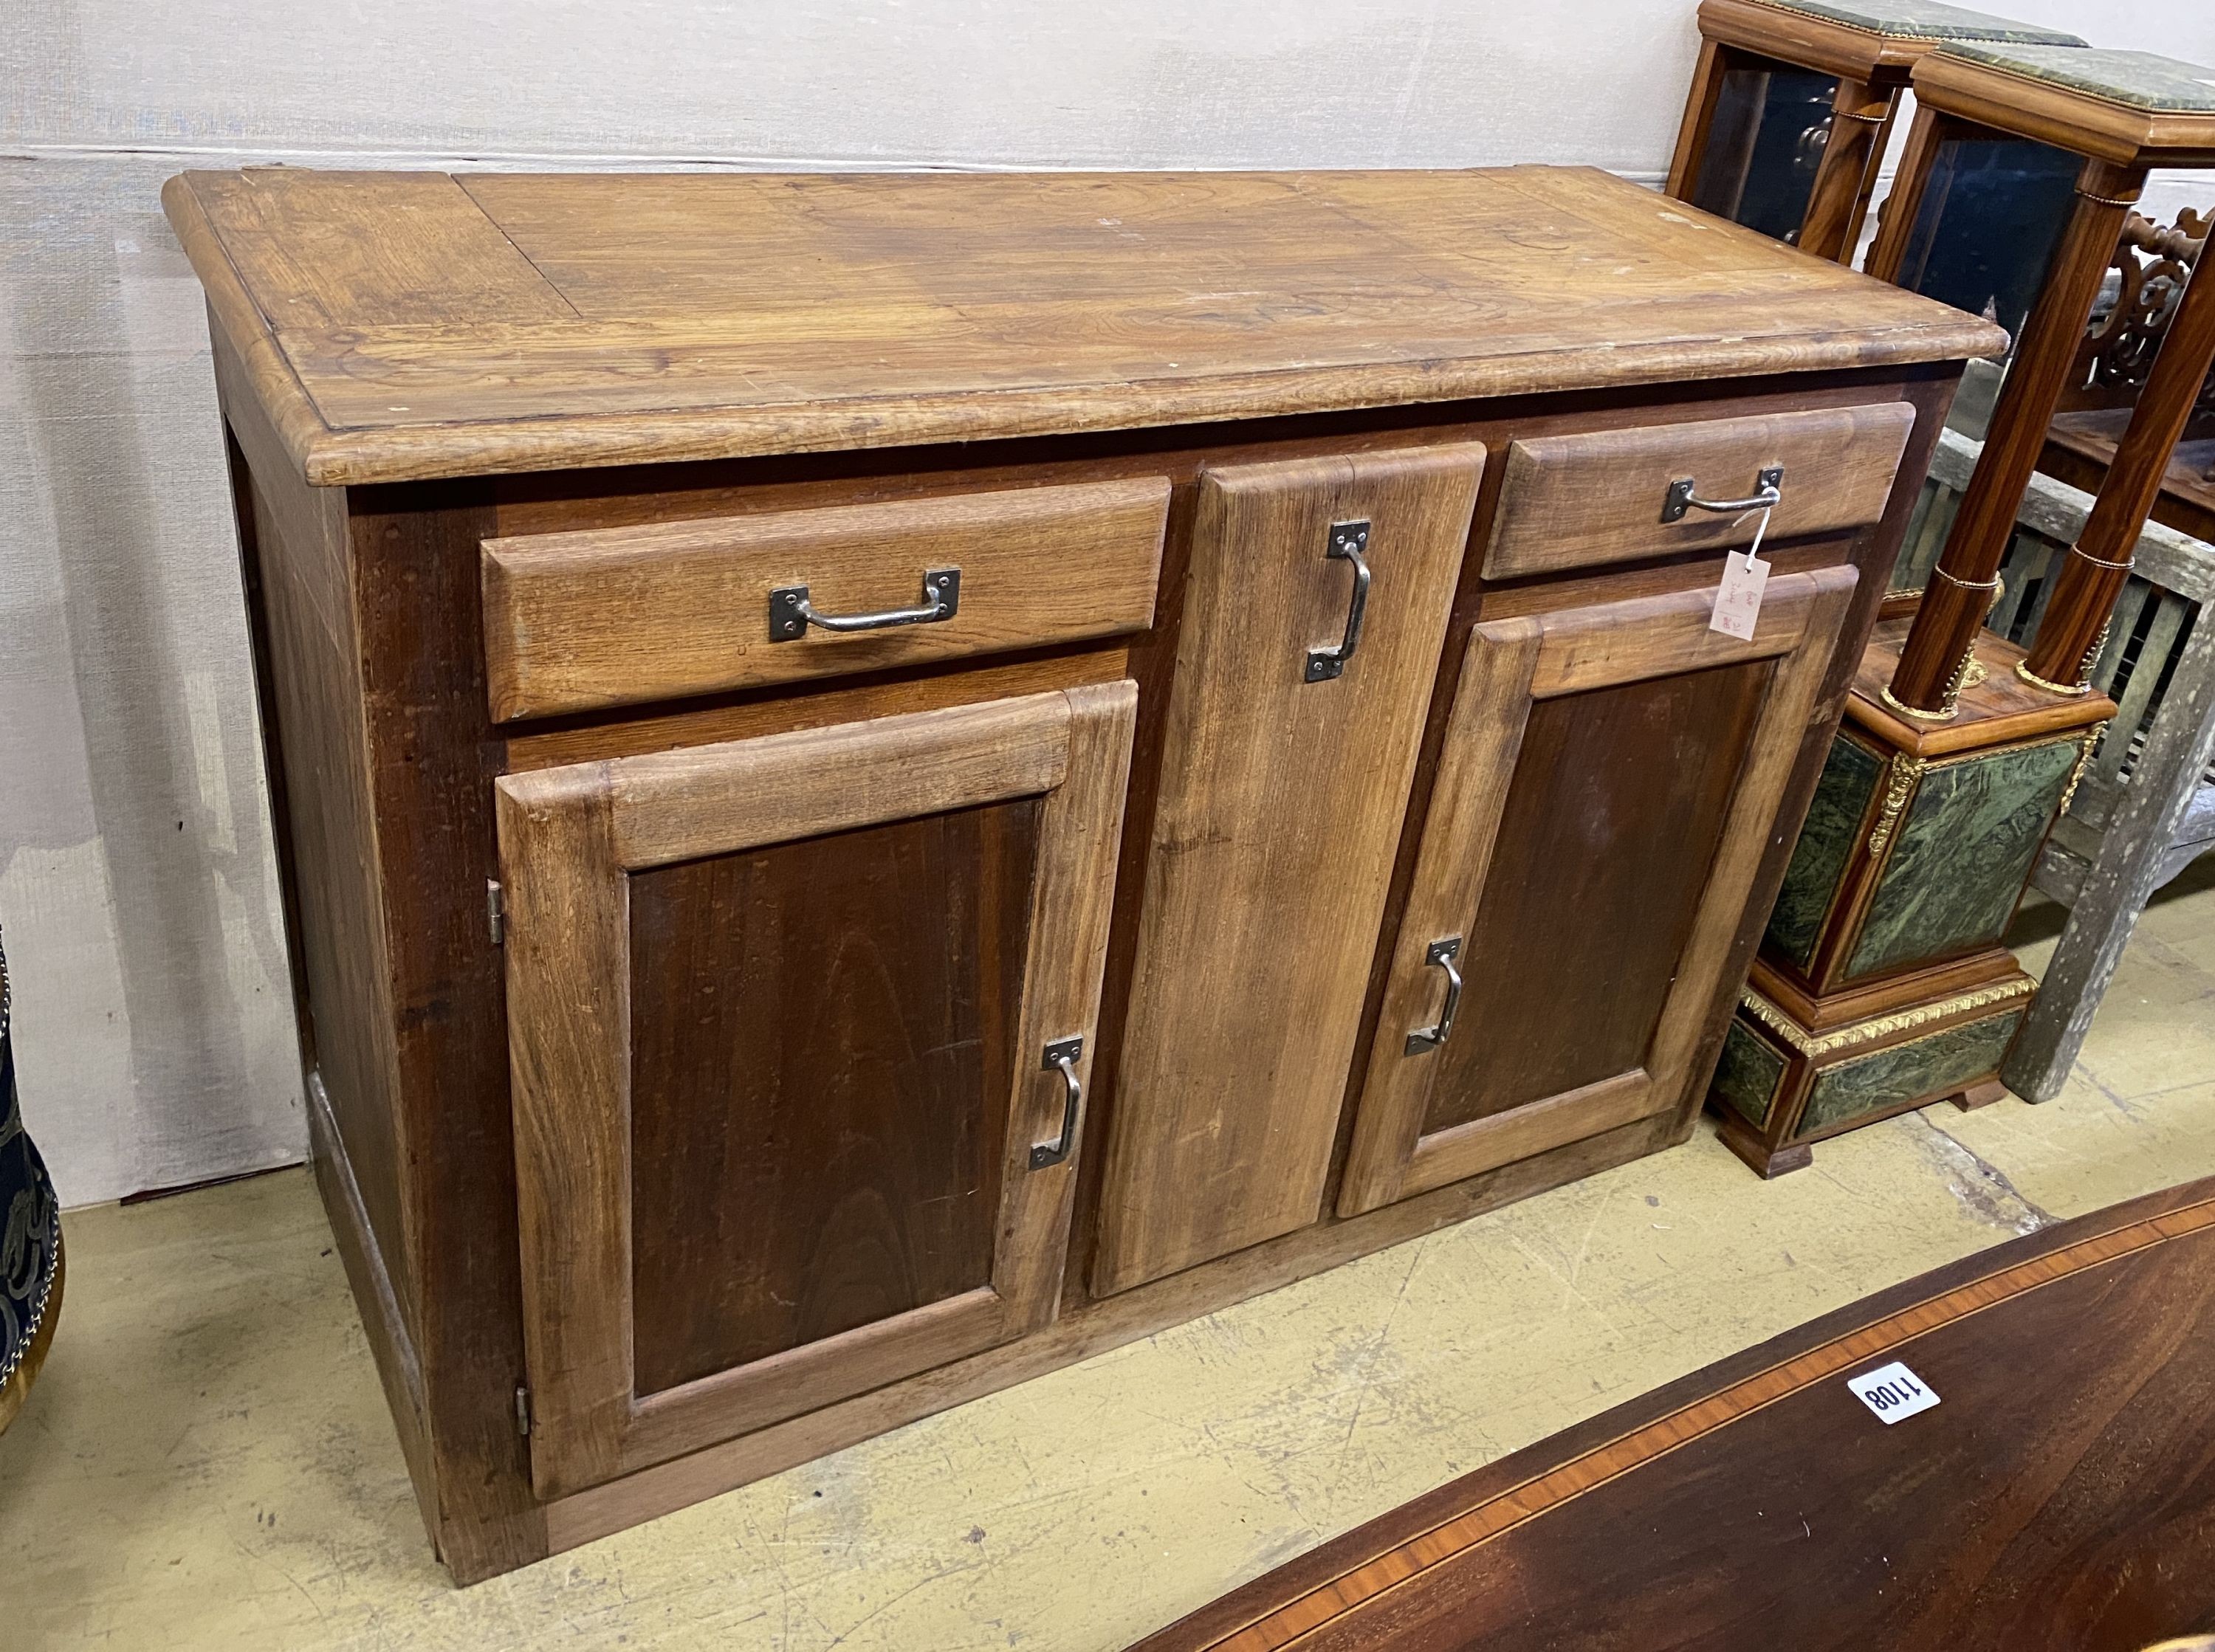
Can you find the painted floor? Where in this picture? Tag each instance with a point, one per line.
(213, 1467)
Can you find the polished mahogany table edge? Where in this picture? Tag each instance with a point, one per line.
(1285, 1606)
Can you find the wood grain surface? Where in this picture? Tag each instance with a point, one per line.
(1272, 847)
(821, 1040)
(2067, 117)
(621, 1376)
(1608, 780)
(2061, 1494)
(1581, 501)
(611, 616)
(607, 320)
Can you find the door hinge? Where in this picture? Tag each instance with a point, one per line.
(495, 912)
(523, 1409)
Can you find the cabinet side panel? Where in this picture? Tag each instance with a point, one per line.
(821, 1039)
(294, 538)
(1273, 842)
(432, 763)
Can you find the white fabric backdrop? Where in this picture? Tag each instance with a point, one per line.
(154, 1039)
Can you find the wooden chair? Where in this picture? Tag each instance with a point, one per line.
(2145, 808)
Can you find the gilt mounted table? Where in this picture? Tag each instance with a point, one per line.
(889, 781)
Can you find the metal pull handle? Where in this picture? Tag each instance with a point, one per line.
(1442, 953)
(790, 615)
(1063, 1054)
(1681, 498)
(1347, 541)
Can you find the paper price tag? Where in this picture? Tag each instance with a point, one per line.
(1737, 599)
(1892, 1391)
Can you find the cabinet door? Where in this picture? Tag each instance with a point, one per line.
(784, 1018)
(1284, 784)
(1609, 782)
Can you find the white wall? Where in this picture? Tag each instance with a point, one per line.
(136, 878)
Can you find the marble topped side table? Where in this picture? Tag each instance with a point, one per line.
(1881, 983)
(1791, 104)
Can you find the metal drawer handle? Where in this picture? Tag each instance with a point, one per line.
(1063, 1054)
(1442, 953)
(1347, 541)
(1680, 496)
(790, 615)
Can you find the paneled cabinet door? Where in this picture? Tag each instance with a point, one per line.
(794, 1028)
(1608, 782)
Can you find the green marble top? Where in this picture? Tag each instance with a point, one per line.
(2140, 80)
(1927, 20)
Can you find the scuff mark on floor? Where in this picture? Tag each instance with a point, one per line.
(1980, 1187)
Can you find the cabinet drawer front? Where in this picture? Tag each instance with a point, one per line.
(782, 1017)
(611, 616)
(1608, 782)
(1583, 501)
(1283, 787)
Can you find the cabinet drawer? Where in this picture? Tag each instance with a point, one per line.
(1586, 500)
(611, 616)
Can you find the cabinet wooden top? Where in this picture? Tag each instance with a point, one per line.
(407, 325)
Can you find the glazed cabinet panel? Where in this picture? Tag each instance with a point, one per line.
(800, 1028)
(1609, 780)
(1315, 612)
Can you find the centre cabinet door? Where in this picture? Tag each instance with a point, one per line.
(800, 1027)
(1315, 611)
(1607, 788)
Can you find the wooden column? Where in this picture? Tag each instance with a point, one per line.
(1699, 116)
(1961, 586)
(1896, 217)
(2092, 572)
(1859, 114)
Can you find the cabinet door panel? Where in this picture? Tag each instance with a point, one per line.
(1609, 780)
(1279, 816)
(796, 1008)
(1613, 815)
(777, 1012)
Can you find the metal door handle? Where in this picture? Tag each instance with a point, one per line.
(1062, 1053)
(1442, 953)
(1681, 496)
(1347, 541)
(790, 615)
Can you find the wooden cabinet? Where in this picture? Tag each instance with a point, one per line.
(798, 1027)
(1608, 783)
(870, 635)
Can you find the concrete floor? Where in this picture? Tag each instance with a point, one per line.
(207, 1461)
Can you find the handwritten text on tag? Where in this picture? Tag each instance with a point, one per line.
(1738, 603)
(1737, 599)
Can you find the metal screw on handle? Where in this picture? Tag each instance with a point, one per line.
(1063, 1054)
(1681, 496)
(1442, 953)
(1348, 540)
(790, 615)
